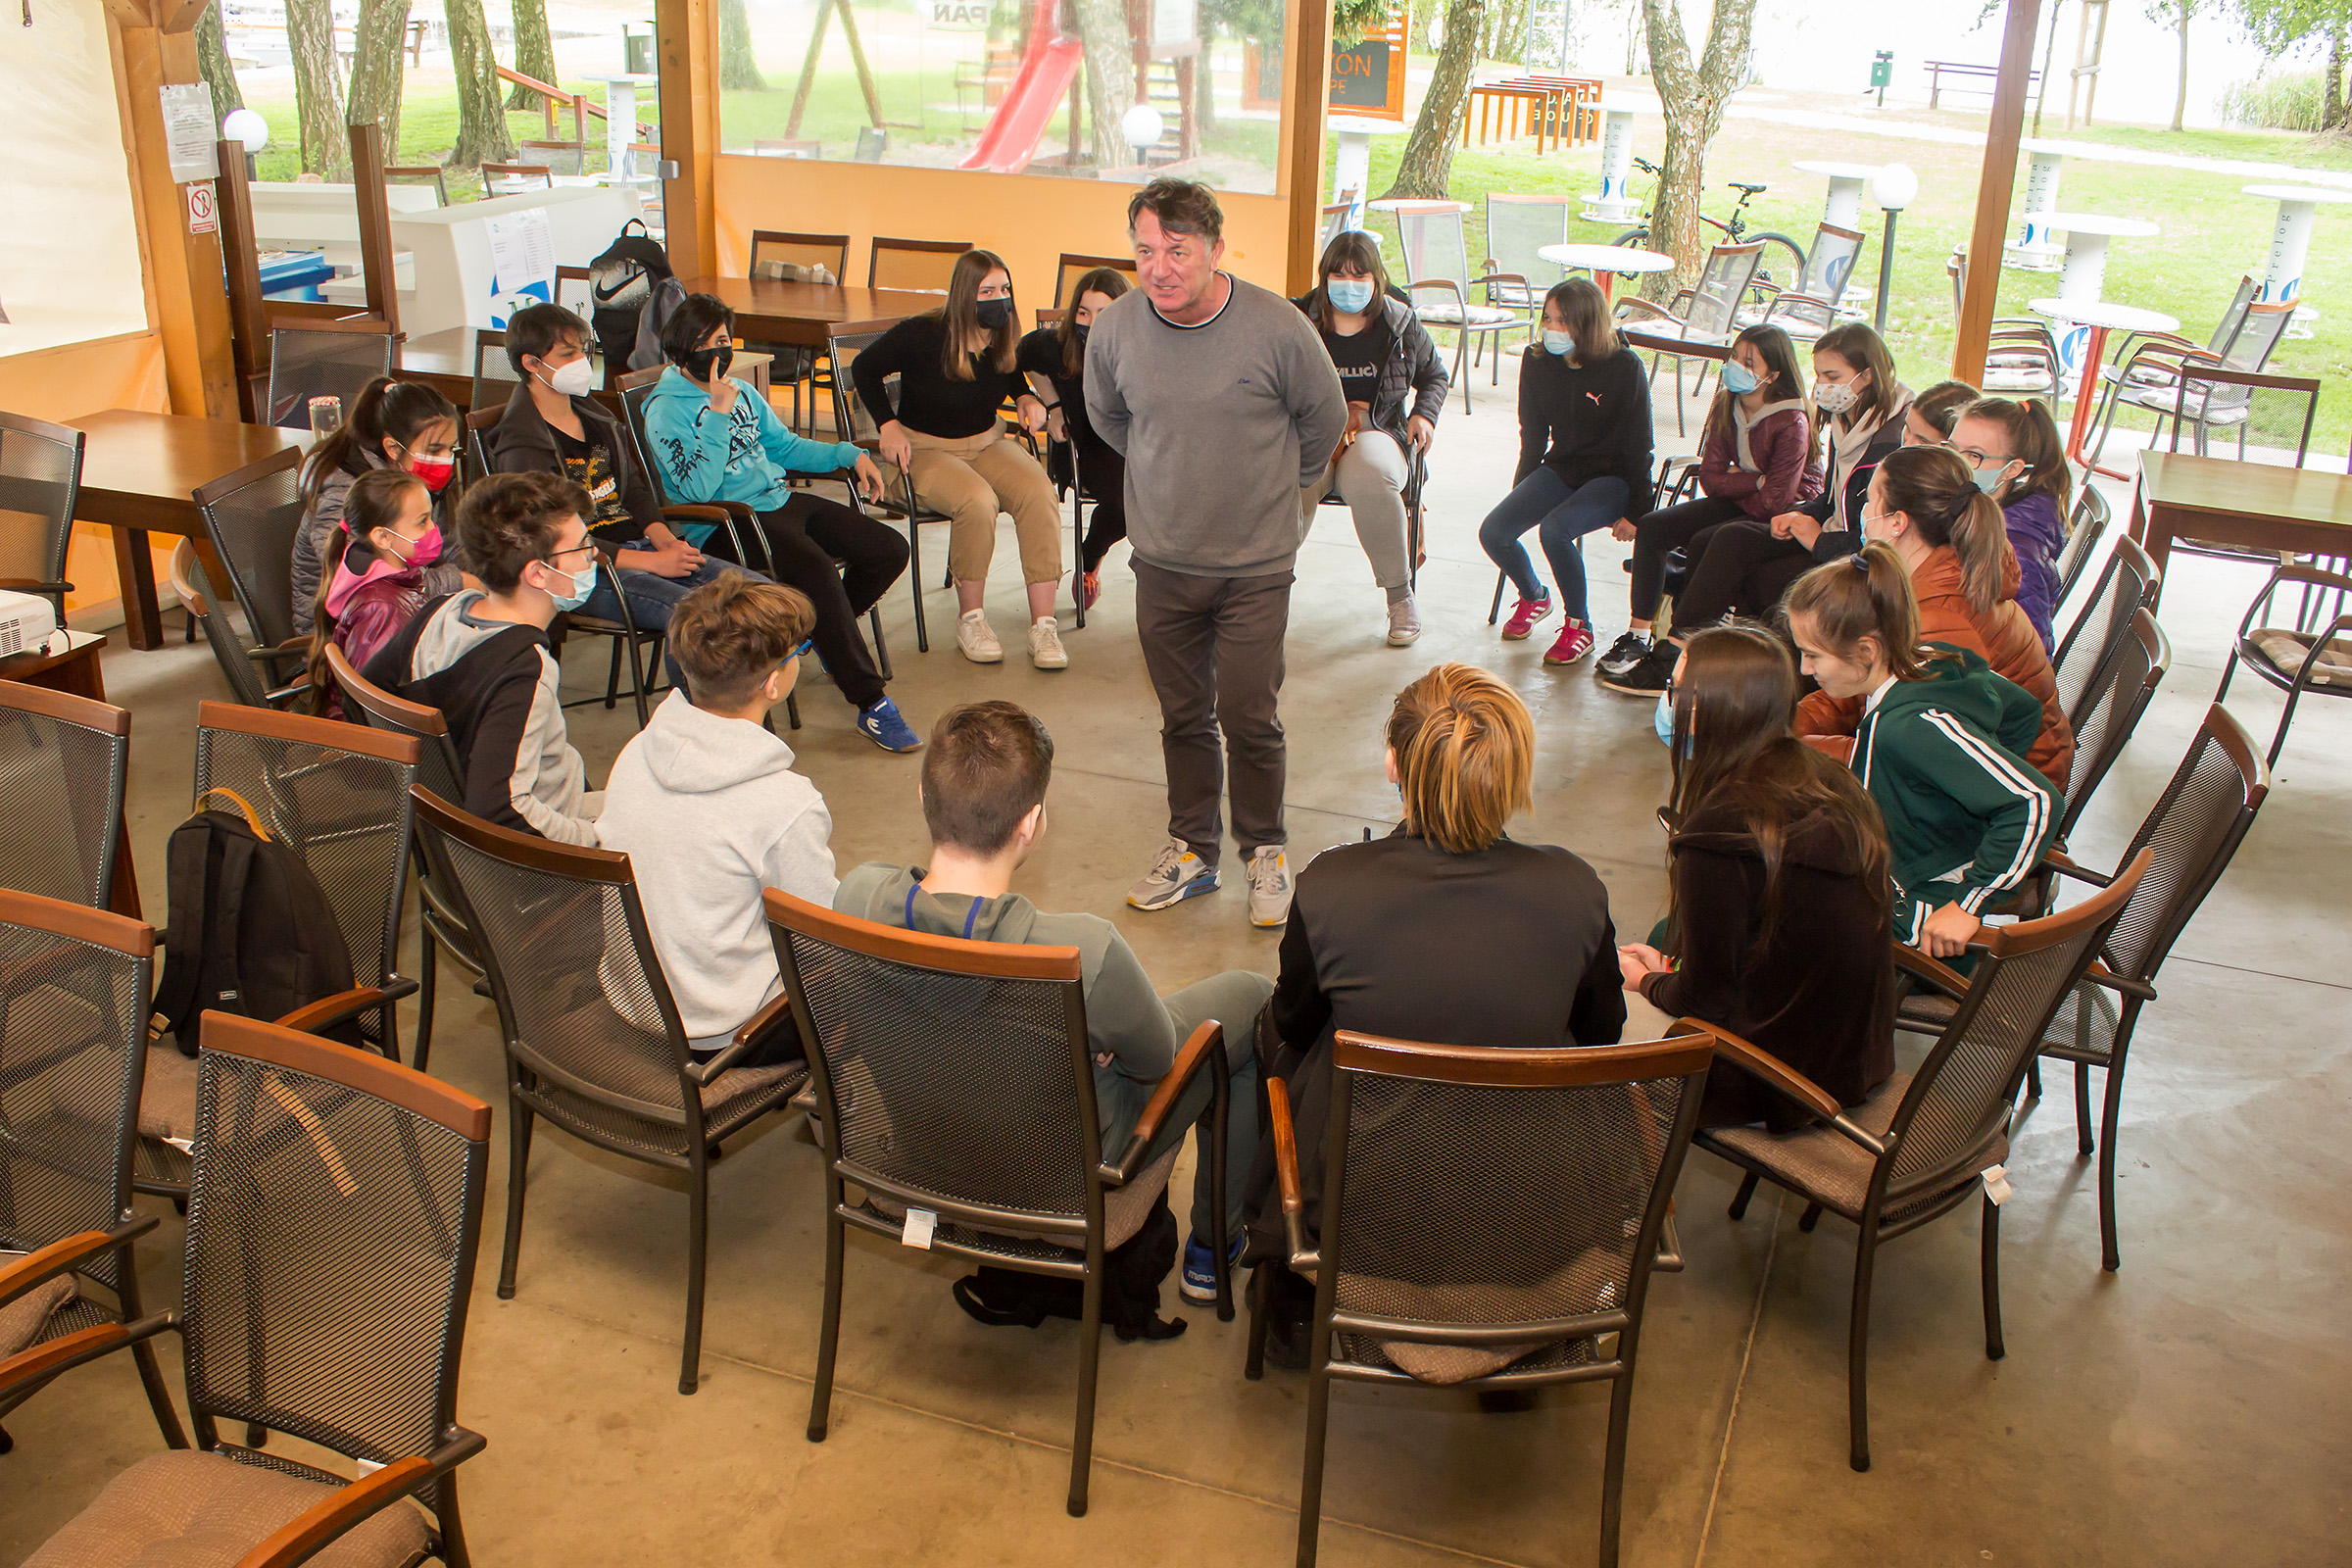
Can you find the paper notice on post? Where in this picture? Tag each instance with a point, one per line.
(190, 131)
(522, 250)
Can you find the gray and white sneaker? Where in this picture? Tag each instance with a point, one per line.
(1622, 655)
(1405, 622)
(1178, 874)
(1269, 886)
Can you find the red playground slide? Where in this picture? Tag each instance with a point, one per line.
(1009, 138)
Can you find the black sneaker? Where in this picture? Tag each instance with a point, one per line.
(1649, 677)
(1624, 653)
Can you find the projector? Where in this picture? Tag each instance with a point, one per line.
(25, 622)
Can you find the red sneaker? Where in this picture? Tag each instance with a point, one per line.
(1089, 589)
(1575, 642)
(1524, 617)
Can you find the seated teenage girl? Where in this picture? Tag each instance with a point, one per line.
(1742, 567)
(1755, 461)
(1384, 359)
(956, 369)
(1929, 421)
(2019, 460)
(1778, 871)
(1939, 747)
(377, 564)
(1924, 504)
(1053, 358)
(391, 425)
(1583, 460)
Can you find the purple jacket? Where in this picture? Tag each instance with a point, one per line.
(2037, 533)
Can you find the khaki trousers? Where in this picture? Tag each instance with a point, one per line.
(971, 480)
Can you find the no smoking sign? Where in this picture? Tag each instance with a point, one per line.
(203, 217)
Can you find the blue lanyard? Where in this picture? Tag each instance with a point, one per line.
(969, 915)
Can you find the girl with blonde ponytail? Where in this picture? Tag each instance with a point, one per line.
(1947, 535)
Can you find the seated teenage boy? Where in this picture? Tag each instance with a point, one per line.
(715, 439)
(482, 656)
(551, 426)
(706, 805)
(984, 799)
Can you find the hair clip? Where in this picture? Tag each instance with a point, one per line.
(1860, 562)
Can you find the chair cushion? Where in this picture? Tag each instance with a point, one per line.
(2287, 649)
(168, 1098)
(1475, 315)
(184, 1509)
(1825, 1166)
(1589, 1283)
(23, 1319)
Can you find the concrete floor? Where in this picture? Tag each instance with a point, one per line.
(2194, 1407)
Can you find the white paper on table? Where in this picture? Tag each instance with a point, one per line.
(189, 132)
(522, 250)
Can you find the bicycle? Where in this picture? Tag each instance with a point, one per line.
(1780, 251)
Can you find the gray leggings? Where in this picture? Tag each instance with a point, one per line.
(1370, 474)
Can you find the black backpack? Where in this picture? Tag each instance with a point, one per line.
(619, 283)
(1132, 1271)
(249, 932)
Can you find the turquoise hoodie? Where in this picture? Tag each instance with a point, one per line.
(743, 456)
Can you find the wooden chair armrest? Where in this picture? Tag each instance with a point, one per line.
(1206, 1046)
(315, 1529)
(696, 512)
(65, 1255)
(702, 1072)
(1285, 1176)
(1764, 1064)
(341, 1008)
(28, 1369)
(1943, 976)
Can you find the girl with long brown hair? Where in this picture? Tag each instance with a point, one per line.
(956, 366)
(1777, 866)
(1053, 358)
(376, 575)
(406, 426)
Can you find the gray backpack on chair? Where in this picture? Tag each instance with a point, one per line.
(667, 296)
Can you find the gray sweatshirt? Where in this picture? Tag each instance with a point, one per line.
(1222, 424)
(710, 812)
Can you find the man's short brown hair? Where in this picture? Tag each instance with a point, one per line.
(986, 765)
(731, 633)
(1182, 206)
(508, 520)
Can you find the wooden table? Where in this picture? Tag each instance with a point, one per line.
(2256, 504)
(444, 360)
(75, 670)
(769, 311)
(138, 475)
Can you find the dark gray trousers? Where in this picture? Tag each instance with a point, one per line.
(1213, 647)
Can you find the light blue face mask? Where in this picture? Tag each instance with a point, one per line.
(1559, 343)
(1350, 294)
(583, 583)
(1663, 720)
(1990, 480)
(1738, 379)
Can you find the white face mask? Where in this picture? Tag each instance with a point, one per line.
(1833, 397)
(573, 381)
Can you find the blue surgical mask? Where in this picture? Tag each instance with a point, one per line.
(1739, 378)
(1663, 720)
(1559, 343)
(1350, 294)
(1990, 480)
(583, 583)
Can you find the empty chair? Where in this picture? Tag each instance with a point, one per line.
(63, 762)
(40, 480)
(593, 1043)
(323, 359)
(331, 1245)
(1070, 266)
(566, 157)
(2084, 530)
(2021, 351)
(853, 421)
(790, 257)
(193, 587)
(873, 142)
(431, 176)
(2297, 661)
(250, 518)
(1918, 1148)
(1489, 1218)
(74, 988)
(2135, 667)
(1437, 278)
(1813, 306)
(513, 179)
(922, 265)
(1707, 321)
(1518, 226)
(2162, 379)
(956, 1078)
(2129, 581)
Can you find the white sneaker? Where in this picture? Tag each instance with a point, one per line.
(1405, 622)
(1269, 886)
(1045, 645)
(1178, 874)
(977, 638)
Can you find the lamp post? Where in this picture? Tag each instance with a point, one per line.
(249, 127)
(1893, 187)
(1141, 128)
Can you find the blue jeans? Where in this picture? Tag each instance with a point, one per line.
(652, 597)
(1543, 501)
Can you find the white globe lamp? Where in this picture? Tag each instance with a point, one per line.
(1893, 187)
(1142, 127)
(246, 127)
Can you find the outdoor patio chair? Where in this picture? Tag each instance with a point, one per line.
(566, 157)
(2085, 529)
(63, 762)
(331, 1245)
(194, 590)
(75, 984)
(40, 485)
(2162, 379)
(2121, 351)
(432, 174)
(2021, 351)
(873, 142)
(2300, 660)
(2206, 395)
(251, 518)
(1070, 266)
(1489, 1218)
(921, 265)
(323, 359)
(1927, 1140)
(493, 377)
(1517, 226)
(2129, 581)
(2190, 835)
(513, 180)
(957, 1079)
(593, 1042)
(2112, 709)
(1438, 279)
(1336, 217)
(1817, 302)
(844, 342)
(1708, 320)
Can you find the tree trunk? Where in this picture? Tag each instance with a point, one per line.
(1693, 98)
(1110, 78)
(738, 67)
(211, 62)
(1205, 81)
(482, 134)
(2049, 48)
(317, 90)
(1428, 162)
(2334, 109)
(534, 50)
(2181, 98)
(376, 61)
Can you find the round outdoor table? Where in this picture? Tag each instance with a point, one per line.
(2086, 325)
(2291, 239)
(1352, 164)
(1847, 184)
(2084, 274)
(1397, 204)
(1606, 261)
(2034, 250)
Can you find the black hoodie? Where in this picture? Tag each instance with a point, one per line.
(523, 442)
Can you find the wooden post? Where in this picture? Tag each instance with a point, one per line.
(1993, 186)
(689, 32)
(240, 256)
(157, 42)
(375, 224)
(1311, 104)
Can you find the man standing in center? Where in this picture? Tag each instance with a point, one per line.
(1225, 405)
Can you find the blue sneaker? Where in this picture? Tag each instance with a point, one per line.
(881, 724)
(1199, 1282)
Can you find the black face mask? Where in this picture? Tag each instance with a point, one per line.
(1079, 333)
(708, 364)
(994, 314)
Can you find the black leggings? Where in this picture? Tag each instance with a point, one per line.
(1737, 568)
(1658, 534)
(1105, 474)
(805, 536)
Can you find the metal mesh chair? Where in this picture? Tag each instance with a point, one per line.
(194, 588)
(1814, 304)
(2111, 711)
(40, 479)
(252, 516)
(513, 180)
(956, 1077)
(2161, 377)
(856, 423)
(332, 1237)
(2021, 351)
(493, 377)
(1070, 266)
(920, 265)
(432, 174)
(1518, 225)
(323, 359)
(566, 158)
(74, 988)
(2189, 836)
(2129, 581)
(63, 762)
(1436, 263)
(593, 1041)
(1709, 319)
(1918, 1148)
(1489, 1217)
(2084, 530)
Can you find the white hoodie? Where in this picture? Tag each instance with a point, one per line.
(710, 812)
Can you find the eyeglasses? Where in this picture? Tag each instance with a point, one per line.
(569, 550)
(1978, 460)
